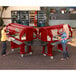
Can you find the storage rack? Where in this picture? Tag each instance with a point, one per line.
(21, 17)
(41, 18)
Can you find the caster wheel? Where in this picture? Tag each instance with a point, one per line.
(30, 53)
(51, 57)
(12, 50)
(44, 54)
(22, 55)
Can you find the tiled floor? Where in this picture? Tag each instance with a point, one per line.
(37, 61)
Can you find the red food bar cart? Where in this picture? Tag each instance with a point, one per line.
(21, 36)
(48, 38)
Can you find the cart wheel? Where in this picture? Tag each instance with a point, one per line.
(30, 53)
(12, 50)
(51, 57)
(22, 55)
(44, 54)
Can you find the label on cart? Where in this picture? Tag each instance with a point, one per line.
(11, 39)
(16, 29)
(17, 42)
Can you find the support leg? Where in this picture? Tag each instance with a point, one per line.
(30, 51)
(50, 51)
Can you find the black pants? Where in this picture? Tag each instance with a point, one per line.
(4, 47)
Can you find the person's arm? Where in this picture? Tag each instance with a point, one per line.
(60, 39)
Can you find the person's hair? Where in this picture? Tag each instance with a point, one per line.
(66, 29)
(2, 27)
(65, 26)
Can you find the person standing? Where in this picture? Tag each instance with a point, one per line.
(3, 40)
(63, 40)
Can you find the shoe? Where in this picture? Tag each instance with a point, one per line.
(62, 59)
(67, 57)
(4, 55)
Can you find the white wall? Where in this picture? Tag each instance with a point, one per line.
(0, 10)
(72, 23)
(7, 13)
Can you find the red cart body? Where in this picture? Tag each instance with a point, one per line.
(47, 35)
(19, 35)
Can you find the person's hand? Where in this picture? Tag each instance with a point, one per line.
(9, 39)
(58, 37)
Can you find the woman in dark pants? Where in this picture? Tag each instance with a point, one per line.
(4, 47)
(3, 39)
